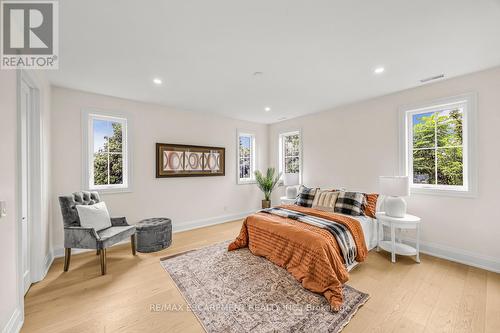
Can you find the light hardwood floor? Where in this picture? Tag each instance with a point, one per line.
(434, 296)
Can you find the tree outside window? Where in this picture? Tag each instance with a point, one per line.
(108, 166)
(439, 144)
(291, 153)
(289, 158)
(246, 156)
(437, 147)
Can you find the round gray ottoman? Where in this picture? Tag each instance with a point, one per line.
(153, 234)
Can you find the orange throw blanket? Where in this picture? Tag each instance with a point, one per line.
(311, 254)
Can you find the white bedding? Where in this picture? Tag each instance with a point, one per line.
(369, 226)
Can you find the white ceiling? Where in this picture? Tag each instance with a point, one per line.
(314, 54)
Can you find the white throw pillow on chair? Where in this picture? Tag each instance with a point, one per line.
(94, 216)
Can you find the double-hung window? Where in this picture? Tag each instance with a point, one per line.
(290, 153)
(438, 146)
(246, 157)
(107, 161)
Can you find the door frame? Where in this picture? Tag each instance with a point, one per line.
(35, 182)
(26, 109)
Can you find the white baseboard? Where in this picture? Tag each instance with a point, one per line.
(458, 255)
(49, 259)
(190, 225)
(15, 322)
(210, 221)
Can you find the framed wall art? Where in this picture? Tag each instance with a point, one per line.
(175, 160)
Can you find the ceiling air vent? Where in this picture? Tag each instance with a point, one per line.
(432, 78)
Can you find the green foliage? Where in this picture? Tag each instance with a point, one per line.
(100, 169)
(437, 148)
(245, 159)
(110, 155)
(291, 147)
(268, 182)
(450, 166)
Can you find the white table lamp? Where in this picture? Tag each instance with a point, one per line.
(291, 180)
(395, 188)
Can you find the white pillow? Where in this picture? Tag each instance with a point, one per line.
(94, 216)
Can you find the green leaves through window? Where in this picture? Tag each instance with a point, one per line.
(437, 147)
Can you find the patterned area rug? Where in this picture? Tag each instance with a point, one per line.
(239, 292)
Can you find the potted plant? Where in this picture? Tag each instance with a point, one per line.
(267, 184)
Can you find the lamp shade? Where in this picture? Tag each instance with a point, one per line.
(290, 179)
(394, 186)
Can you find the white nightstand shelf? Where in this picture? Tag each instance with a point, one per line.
(395, 245)
(401, 249)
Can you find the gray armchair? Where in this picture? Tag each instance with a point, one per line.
(75, 236)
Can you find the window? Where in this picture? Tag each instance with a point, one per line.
(107, 160)
(246, 158)
(290, 153)
(438, 146)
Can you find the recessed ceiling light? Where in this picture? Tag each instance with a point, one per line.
(379, 70)
(267, 108)
(157, 81)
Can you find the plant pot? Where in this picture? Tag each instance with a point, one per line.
(266, 204)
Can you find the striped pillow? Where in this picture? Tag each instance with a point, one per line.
(350, 203)
(305, 197)
(325, 200)
(371, 204)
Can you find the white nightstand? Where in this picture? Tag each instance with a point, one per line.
(398, 247)
(286, 201)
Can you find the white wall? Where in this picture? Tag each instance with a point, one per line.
(352, 145)
(185, 200)
(11, 307)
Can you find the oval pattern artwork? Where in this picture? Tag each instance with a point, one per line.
(194, 161)
(173, 160)
(212, 161)
(177, 160)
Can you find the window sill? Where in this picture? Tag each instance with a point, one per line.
(443, 192)
(112, 190)
(246, 182)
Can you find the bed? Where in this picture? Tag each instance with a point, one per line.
(369, 226)
(308, 252)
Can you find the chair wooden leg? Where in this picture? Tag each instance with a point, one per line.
(67, 258)
(103, 261)
(97, 252)
(132, 243)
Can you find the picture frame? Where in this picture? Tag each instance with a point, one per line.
(180, 160)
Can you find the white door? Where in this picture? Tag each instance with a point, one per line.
(26, 106)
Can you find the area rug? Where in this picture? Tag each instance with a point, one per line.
(239, 292)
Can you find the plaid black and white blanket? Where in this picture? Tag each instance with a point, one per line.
(340, 232)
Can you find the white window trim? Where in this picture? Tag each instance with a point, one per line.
(253, 164)
(88, 114)
(281, 162)
(470, 188)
